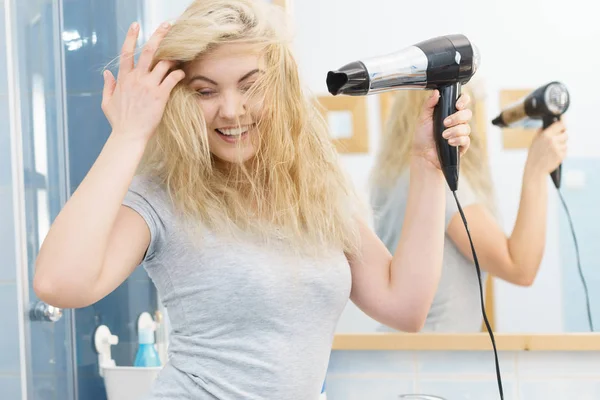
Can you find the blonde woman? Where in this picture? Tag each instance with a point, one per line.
(515, 259)
(220, 179)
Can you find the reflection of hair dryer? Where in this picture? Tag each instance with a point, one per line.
(547, 103)
(442, 63)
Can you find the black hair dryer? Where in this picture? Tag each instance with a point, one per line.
(444, 63)
(547, 103)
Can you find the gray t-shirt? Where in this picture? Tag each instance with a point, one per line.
(456, 306)
(248, 321)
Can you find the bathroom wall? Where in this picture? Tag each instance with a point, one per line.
(582, 201)
(94, 31)
(10, 377)
(359, 375)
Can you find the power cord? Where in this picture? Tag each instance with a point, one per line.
(485, 318)
(583, 281)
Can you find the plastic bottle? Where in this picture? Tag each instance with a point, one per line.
(146, 356)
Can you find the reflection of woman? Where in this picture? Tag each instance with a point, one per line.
(240, 212)
(516, 259)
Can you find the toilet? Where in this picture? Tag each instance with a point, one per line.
(122, 383)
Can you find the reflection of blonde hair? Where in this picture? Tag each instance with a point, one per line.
(293, 186)
(394, 153)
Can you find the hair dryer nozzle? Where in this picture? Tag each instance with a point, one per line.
(351, 79)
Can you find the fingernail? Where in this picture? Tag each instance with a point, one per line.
(135, 26)
(105, 73)
(166, 25)
(448, 121)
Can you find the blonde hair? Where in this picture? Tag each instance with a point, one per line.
(293, 186)
(394, 154)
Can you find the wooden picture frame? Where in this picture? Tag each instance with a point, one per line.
(352, 112)
(517, 137)
(281, 3)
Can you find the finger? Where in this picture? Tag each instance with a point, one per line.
(459, 141)
(463, 101)
(561, 138)
(161, 70)
(429, 105)
(109, 87)
(457, 131)
(128, 49)
(172, 80)
(556, 128)
(459, 117)
(463, 149)
(152, 45)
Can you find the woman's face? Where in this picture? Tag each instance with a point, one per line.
(221, 79)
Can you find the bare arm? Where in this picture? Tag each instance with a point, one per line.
(398, 291)
(517, 258)
(95, 242)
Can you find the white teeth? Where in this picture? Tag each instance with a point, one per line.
(234, 131)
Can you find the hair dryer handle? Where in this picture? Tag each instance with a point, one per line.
(556, 175)
(448, 155)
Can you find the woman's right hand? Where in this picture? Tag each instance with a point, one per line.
(134, 103)
(548, 149)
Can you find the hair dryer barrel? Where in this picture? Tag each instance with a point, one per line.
(548, 103)
(444, 63)
(430, 64)
(550, 100)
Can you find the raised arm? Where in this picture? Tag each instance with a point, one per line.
(95, 243)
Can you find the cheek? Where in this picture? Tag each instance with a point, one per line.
(209, 110)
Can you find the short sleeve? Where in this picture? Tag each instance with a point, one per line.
(466, 196)
(144, 197)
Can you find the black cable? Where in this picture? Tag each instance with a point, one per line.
(485, 318)
(583, 281)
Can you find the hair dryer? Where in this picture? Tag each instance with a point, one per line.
(444, 63)
(547, 103)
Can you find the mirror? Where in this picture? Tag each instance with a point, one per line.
(513, 64)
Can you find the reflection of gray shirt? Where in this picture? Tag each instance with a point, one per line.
(456, 306)
(248, 321)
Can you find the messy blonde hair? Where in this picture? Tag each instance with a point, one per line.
(394, 154)
(293, 186)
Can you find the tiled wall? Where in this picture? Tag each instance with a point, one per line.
(10, 379)
(584, 206)
(381, 375)
(96, 29)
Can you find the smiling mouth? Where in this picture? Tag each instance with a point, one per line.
(234, 134)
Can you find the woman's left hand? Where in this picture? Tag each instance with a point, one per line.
(458, 129)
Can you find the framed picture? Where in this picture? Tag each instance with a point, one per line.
(347, 119)
(281, 3)
(517, 136)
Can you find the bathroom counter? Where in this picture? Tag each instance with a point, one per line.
(476, 341)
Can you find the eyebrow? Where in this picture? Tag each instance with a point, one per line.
(243, 78)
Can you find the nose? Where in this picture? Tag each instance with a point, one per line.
(232, 106)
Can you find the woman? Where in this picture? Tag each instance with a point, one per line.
(220, 178)
(515, 259)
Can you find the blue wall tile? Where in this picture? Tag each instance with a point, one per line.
(364, 388)
(468, 389)
(7, 235)
(3, 72)
(9, 331)
(583, 207)
(88, 131)
(10, 385)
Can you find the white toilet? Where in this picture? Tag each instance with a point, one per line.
(122, 383)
